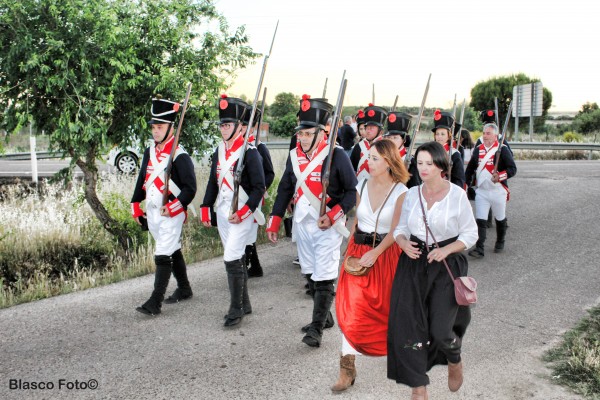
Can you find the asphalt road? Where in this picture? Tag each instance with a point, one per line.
(529, 295)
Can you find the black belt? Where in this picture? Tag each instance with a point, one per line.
(424, 247)
(361, 237)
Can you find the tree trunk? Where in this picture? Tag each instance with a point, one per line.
(90, 178)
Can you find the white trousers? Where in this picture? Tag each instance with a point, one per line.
(166, 231)
(233, 236)
(493, 197)
(319, 251)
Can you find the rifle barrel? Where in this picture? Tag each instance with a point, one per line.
(417, 124)
(169, 167)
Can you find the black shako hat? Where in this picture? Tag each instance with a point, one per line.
(457, 128)
(375, 115)
(231, 109)
(398, 123)
(360, 118)
(313, 113)
(442, 119)
(246, 119)
(488, 116)
(163, 111)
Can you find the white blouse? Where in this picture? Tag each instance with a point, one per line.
(367, 216)
(450, 217)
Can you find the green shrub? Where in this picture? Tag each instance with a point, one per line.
(572, 137)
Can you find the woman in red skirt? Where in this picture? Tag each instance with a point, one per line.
(362, 302)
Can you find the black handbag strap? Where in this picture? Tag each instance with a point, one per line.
(428, 231)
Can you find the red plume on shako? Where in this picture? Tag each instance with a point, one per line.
(361, 114)
(392, 118)
(223, 103)
(437, 115)
(305, 103)
(490, 113)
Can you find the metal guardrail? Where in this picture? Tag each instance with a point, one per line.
(282, 145)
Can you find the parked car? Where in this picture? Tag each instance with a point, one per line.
(126, 160)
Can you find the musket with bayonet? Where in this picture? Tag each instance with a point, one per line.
(169, 167)
(453, 128)
(326, 172)
(504, 128)
(496, 112)
(394, 106)
(260, 117)
(416, 126)
(325, 88)
(237, 176)
(373, 95)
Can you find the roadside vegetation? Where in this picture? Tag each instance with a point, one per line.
(575, 362)
(51, 243)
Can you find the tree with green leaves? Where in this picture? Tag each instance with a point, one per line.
(84, 71)
(588, 119)
(285, 103)
(483, 94)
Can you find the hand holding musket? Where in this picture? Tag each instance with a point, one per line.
(417, 125)
(326, 172)
(237, 176)
(169, 167)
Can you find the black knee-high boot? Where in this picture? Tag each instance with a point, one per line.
(255, 270)
(245, 297)
(324, 295)
(184, 290)
(329, 323)
(235, 278)
(478, 251)
(500, 235)
(161, 281)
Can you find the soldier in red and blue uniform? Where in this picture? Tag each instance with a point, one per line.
(491, 186)
(319, 237)
(235, 229)
(442, 131)
(373, 117)
(165, 222)
(397, 127)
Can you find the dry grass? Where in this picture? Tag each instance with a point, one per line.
(576, 361)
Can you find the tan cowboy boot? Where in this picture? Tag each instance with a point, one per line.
(419, 393)
(455, 376)
(347, 373)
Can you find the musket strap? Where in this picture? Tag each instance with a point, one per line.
(301, 177)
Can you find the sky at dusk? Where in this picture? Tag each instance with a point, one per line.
(394, 45)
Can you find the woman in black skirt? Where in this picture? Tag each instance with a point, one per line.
(426, 325)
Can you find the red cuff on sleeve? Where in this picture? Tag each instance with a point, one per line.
(205, 214)
(502, 176)
(273, 224)
(136, 210)
(335, 214)
(244, 212)
(175, 207)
